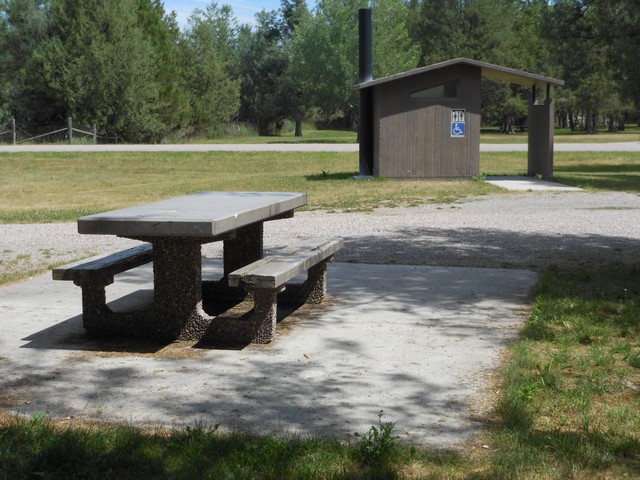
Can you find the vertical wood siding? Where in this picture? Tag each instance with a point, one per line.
(412, 137)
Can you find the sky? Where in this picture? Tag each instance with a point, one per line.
(243, 10)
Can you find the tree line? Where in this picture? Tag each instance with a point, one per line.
(128, 67)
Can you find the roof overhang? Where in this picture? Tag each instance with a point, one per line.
(495, 72)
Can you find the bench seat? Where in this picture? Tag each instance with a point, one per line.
(286, 263)
(105, 265)
(264, 279)
(92, 275)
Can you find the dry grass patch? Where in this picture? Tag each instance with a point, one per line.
(43, 187)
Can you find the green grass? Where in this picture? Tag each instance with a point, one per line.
(488, 135)
(37, 447)
(310, 135)
(568, 407)
(56, 187)
(595, 171)
(564, 135)
(243, 135)
(37, 187)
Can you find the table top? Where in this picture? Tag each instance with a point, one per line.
(204, 214)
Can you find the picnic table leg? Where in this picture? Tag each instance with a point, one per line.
(177, 278)
(245, 248)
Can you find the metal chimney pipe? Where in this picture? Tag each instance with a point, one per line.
(365, 47)
(365, 104)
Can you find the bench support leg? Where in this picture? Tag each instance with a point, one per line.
(94, 303)
(265, 314)
(256, 326)
(314, 288)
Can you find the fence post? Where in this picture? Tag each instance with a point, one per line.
(95, 134)
(13, 129)
(70, 130)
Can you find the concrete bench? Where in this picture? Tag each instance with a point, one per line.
(264, 279)
(94, 274)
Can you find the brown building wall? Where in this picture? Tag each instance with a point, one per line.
(412, 137)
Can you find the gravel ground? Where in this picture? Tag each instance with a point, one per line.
(528, 230)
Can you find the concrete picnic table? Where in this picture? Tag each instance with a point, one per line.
(177, 228)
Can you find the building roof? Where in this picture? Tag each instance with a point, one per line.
(489, 70)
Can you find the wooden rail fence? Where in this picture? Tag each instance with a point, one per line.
(15, 131)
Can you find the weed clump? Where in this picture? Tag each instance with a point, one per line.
(379, 444)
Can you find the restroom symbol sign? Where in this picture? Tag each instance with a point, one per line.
(458, 123)
(457, 116)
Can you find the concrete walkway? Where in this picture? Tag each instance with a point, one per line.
(528, 184)
(301, 147)
(420, 343)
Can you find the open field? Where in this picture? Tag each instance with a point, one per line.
(564, 135)
(332, 136)
(46, 187)
(310, 135)
(61, 187)
(488, 135)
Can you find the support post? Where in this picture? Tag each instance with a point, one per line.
(540, 152)
(95, 134)
(13, 129)
(70, 130)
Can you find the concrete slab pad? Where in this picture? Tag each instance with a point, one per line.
(517, 183)
(416, 342)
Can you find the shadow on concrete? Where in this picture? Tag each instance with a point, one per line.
(487, 248)
(402, 339)
(414, 341)
(70, 335)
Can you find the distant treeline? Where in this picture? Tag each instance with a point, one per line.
(127, 67)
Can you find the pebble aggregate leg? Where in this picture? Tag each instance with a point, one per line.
(177, 272)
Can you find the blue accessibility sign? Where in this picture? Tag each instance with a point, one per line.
(457, 129)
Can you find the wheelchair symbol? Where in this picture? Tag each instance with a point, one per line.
(457, 129)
